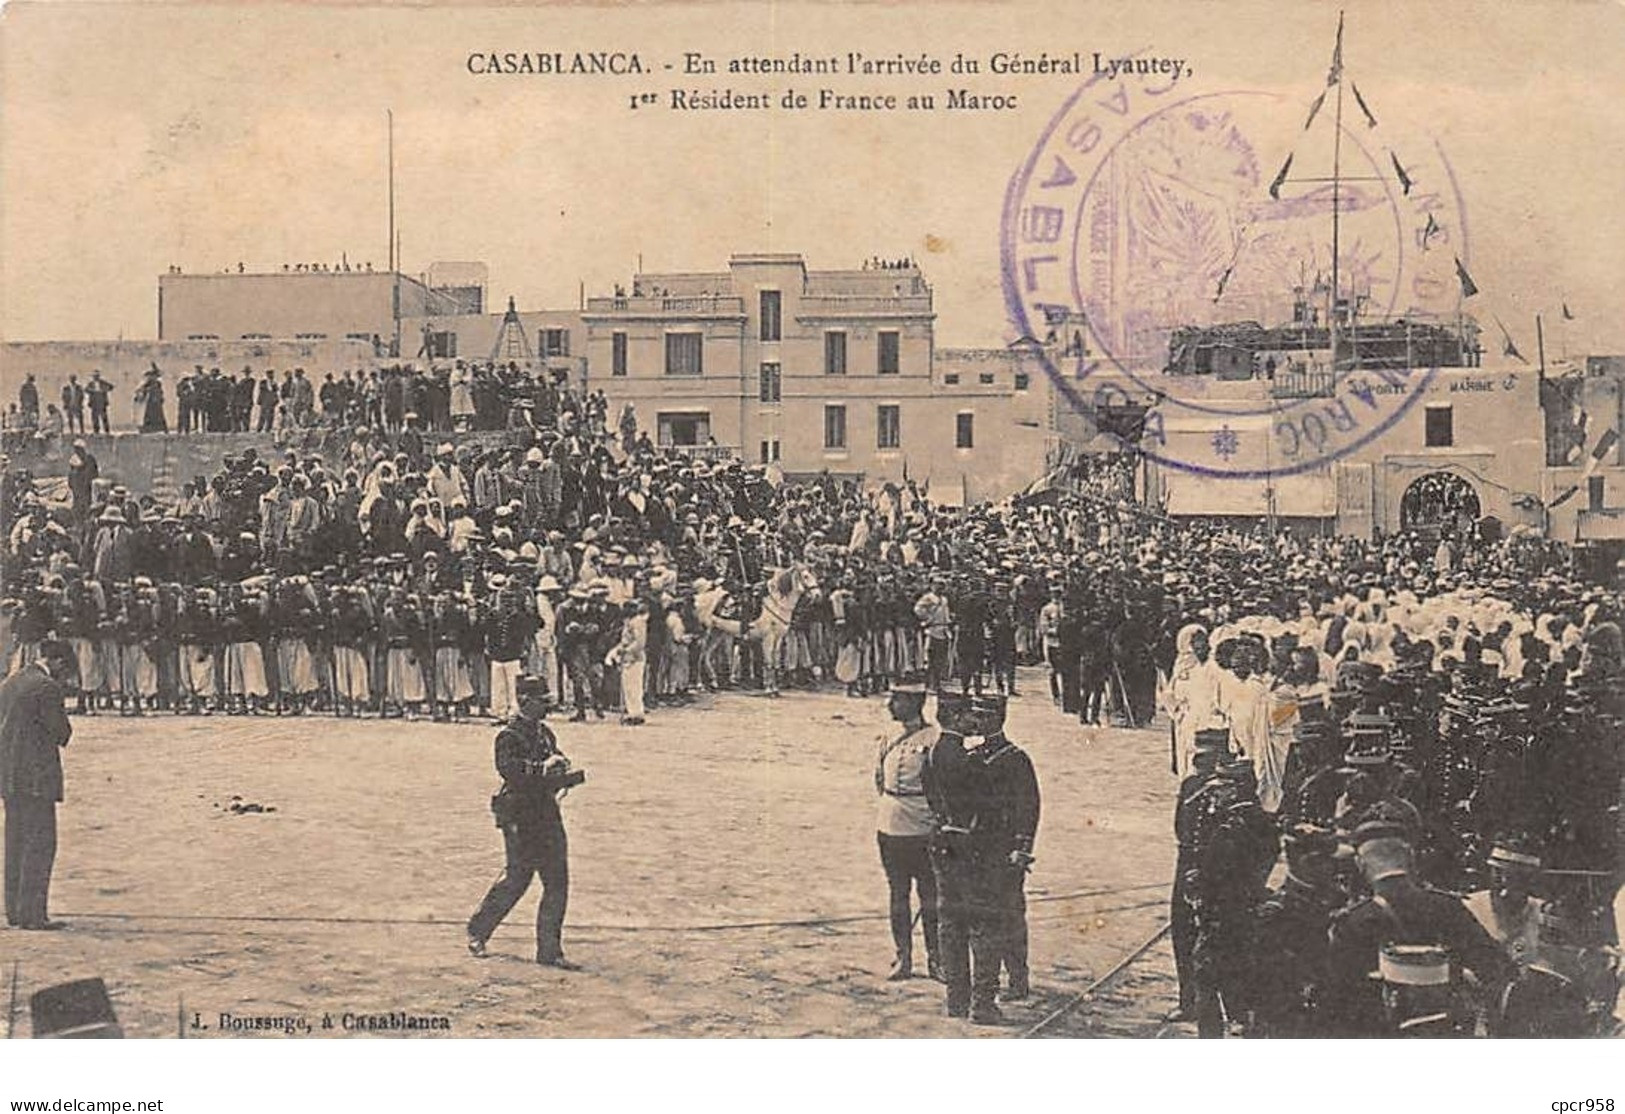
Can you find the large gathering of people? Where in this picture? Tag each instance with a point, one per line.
(1405, 719)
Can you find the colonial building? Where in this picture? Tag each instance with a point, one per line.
(304, 305)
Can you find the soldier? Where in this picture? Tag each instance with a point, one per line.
(1399, 911)
(526, 808)
(967, 930)
(198, 632)
(904, 824)
(448, 622)
(353, 621)
(1211, 745)
(1237, 847)
(1006, 825)
(1289, 955)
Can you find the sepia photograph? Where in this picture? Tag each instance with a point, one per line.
(836, 520)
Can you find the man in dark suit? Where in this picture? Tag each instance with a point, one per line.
(33, 728)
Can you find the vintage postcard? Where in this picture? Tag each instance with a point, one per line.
(952, 520)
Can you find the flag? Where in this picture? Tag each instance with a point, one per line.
(1404, 179)
(1335, 74)
(1370, 120)
(1605, 445)
(1567, 315)
(1468, 286)
(1280, 179)
(1507, 347)
(1577, 435)
(1564, 498)
(1314, 109)
(1430, 231)
(1224, 278)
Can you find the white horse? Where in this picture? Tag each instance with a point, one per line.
(785, 587)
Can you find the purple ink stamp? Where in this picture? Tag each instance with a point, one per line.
(1184, 246)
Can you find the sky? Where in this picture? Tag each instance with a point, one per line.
(136, 137)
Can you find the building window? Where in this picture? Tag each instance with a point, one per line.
(964, 431)
(985, 379)
(441, 345)
(772, 385)
(617, 353)
(835, 353)
(770, 451)
(888, 357)
(1596, 490)
(952, 379)
(685, 353)
(834, 427)
(554, 342)
(1023, 380)
(772, 320)
(1440, 432)
(888, 427)
(686, 428)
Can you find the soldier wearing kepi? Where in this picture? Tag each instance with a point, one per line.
(526, 808)
(903, 828)
(964, 929)
(1006, 825)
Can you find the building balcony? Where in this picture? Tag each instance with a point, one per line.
(1309, 383)
(686, 306)
(829, 307)
(709, 454)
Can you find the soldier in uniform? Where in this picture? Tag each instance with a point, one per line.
(1211, 745)
(968, 936)
(1288, 969)
(904, 824)
(526, 808)
(1400, 911)
(1006, 825)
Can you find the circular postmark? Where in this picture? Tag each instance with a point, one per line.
(1144, 220)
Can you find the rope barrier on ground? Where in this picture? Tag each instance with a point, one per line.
(713, 926)
(1089, 991)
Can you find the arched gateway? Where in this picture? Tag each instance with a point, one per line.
(1439, 503)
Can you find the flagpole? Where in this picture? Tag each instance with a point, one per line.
(1337, 190)
(1540, 346)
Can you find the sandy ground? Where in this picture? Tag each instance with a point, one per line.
(702, 846)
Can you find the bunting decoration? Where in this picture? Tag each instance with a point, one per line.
(1468, 286)
(1507, 347)
(1605, 445)
(1314, 109)
(1405, 182)
(1370, 120)
(1430, 231)
(1280, 179)
(1567, 315)
(1568, 493)
(1224, 278)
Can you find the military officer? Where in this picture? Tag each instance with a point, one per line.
(904, 824)
(1289, 936)
(1006, 825)
(1400, 911)
(1194, 792)
(526, 808)
(967, 933)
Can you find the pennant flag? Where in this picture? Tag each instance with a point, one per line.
(1280, 179)
(1336, 73)
(1507, 347)
(1605, 445)
(1224, 278)
(1314, 109)
(1430, 231)
(1405, 182)
(1370, 120)
(1468, 286)
(1564, 498)
(1567, 316)
(1577, 433)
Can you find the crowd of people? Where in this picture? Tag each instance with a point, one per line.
(1430, 710)
(443, 397)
